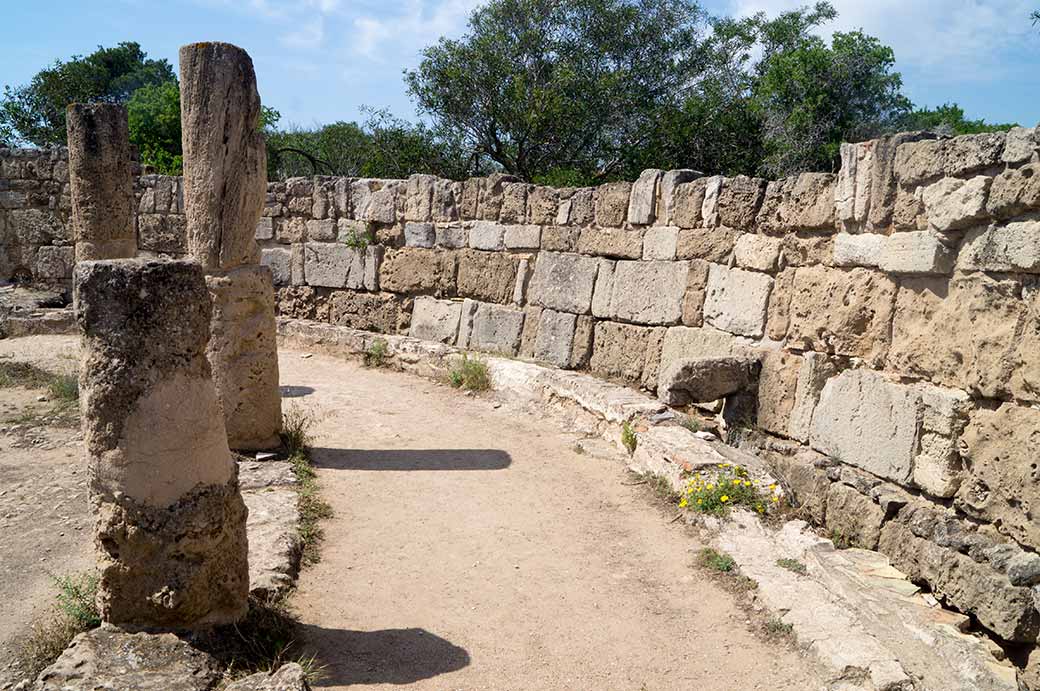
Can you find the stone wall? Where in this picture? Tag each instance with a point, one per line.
(894, 307)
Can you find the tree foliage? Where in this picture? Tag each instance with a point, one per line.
(35, 112)
(948, 119)
(154, 112)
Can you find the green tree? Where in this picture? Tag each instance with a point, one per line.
(948, 119)
(35, 112)
(542, 87)
(154, 112)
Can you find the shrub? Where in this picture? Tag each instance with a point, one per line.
(729, 486)
(470, 374)
(297, 422)
(375, 355)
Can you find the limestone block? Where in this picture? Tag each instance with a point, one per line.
(487, 235)
(814, 371)
(696, 287)
(867, 421)
(711, 244)
(468, 199)
(496, 329)
(858, 250)
(666, 204)
(373, 263)
(169, 518)
(419, 235)
(35, 227)
(264, 229)
(919, 162)
(808, 204)
(758, 252)
(297, 263)
(777, 390)
(953, 204)
(333, 265)
(289, 677)
(522, 237)
(918, 252)
(290, 230)
(736, 300)
(435, 320)
(702, 380)
(853, 189)
(770, 219)
(660, 243)
(379, 312)
(225, 161)
(412, 270)
(563, 282)
(487, 276)
(1001, 487)
(845, 312)
(614, 242)
(243, 352)
(523, 276)
(491, 195)
(937, 465)
(321, 230)
(648, 292)
(604, 291)
(375, 200)
(542, 205)
(445, 209)
(560, 238)
(55, 263)
(514, 203)
(279, 261)
(687, 343)
(1014, 246)
(853, 516)
(469, 311)
(971, 587)
(974, 332)
(1021, 145)
(582, 209)
(739, 201)
(642, 205)
(687, 202)
(555, 337)
(1015, 191)
(100, 180)
(419, 198)
(450, 236)
(581, 347)
(612, 204)
(623, 351)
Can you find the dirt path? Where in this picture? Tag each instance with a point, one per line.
(472, 548)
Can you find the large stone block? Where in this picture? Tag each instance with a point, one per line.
(644, 292)
(514, 203)
(560, 238)
(696, 287)
(487, 276)
(618, 243)
(1021, 145)
(414, 270)
(739, 201)
(333, 265)
(736, 300)
(919, 252)
(867, 421)
(1014, 246)
(487, 235)
(711, 244)
(642, 205)
(419, 235)
(853, 516)
(686, 343)
(862, 249)
(813, 372)
(809, 203)
(777, 391)
(522, 237)
(953, 204)
(1002, 487)
(612, 204)
(841, 312)
(55, 263)
(710, 208)
(703, 380)
(496, 329)
(937, 465)
(758, 252)
(687, 203)
(563, 282)
(623, 351)
(659, 243)
(555, 337)
(279, 261)
(418, 202)
(1015, 191)
(379, 312)
(435, 320)
(667, 201)
(542, 205)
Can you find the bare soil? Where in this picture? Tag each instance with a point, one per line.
(473, 548)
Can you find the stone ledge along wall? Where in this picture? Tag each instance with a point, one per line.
(894, 307)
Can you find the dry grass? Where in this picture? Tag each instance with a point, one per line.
(73, 613)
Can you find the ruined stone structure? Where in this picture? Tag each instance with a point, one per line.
(102, 185)
(225, 173)
(892, 311)
(170, 524)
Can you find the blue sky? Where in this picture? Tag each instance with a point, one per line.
(322, 60)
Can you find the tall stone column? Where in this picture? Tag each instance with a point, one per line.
(102, 183)
(225, 183)
(170, 523)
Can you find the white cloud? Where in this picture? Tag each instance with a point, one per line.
(942, 40)
(308, 36)
(418, 23)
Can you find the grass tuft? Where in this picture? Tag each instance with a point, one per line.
(775, 626)
(690, 423)
(628, 437)
(297, 421)
(717, 561)
(73, 613)
(313, 509)
(470, 374)
(376, 354)
(792, 565)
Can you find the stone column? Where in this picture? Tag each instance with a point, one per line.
(170, 523)
(101, 178)
(225, 183)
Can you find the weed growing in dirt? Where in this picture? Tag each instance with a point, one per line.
(716, 492)
(470, 374)
(313, 509)
(297, 422)
(64, 388)
(375, 355)
(73, 613)
(775, 626)
(690, 423)
(792, 565)
(717, 561)
(628, 437)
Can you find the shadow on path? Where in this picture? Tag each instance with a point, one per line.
(390, 656)
(410, 459)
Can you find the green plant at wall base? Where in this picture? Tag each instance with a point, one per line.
(74, 612)
(716, 492)
(792, 565)
(297, 422)
(628, 438)
(376, 354)
(470, 374)
(717, 561)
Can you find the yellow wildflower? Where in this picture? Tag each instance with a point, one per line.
(772, 487)
(683, 503)
(746, 483)
(723, 498)
(711, 486)
(775, 499)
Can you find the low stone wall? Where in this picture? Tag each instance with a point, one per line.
(894, 306)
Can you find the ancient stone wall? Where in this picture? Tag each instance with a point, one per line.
(894, 307)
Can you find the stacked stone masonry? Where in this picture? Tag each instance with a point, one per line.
(893, 308)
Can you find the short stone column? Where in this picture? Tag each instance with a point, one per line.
(225, 184)
(170, 523)
(101, 179)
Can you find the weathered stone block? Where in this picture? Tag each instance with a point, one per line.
(623, 351)
(687, 343)
(757, 252)
(809, 203)
(332, 265)
(687, 203)
(279, 261)
(612, 204)
(696, 287)
(514, 203)
(953, 204)
(542, 205)
(560, 238)
(702, 380)
(496, 329)
(450, 236)
(290, 230)
(374, 200)
(642, 205)
(555, 337)
(919, 162)
(435, 320)
(264, 229)
(777, 391)
(487, 276)
(711, 244)
(522, 237)
(1014, 246)
(412, 270)
(919, 252)
(646, 292)
(867, 421)
(666, 204)
(853, 516)
(563, 282)
(321, 230)
(739, 201)
(1015, 191)
(418, 202)
(710, 207)
(55, 263)
(487, 235)
(581, 210)
(846, 312)
(419, 235)
(618, 243)
(379, 312)
(813, 373)
(858, 250)
(937, 465)
(736, 300)
(659, 243)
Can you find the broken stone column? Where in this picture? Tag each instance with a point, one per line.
(225, 184)
(170, 524)
(100, 176)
